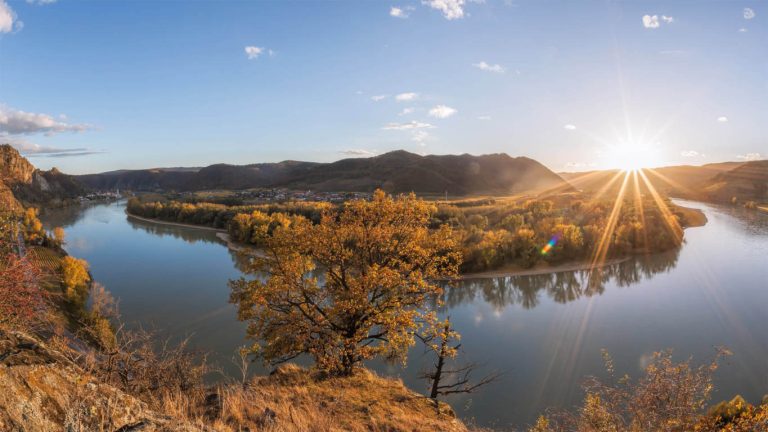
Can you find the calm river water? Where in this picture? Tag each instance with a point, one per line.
(545, 333)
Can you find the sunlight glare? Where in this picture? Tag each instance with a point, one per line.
(629, 156)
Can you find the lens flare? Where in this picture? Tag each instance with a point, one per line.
(550, 244)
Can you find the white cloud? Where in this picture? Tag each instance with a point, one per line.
(722, 119)
(484, 117)
(359, 152)
(407, 111)
(749, 13)
(651, 21)
(29, 149)
(667, 19)
(8, 20)
(377, 98)
(489, 67)
(570, 127)
(743, 30)
(420, 136)
(442, 111)
(16, 122)
(413, 124)
(401, 12)
(404, 97)
(750, 156)
(253, 52)
(41, 2)
(690, 153)
(451, 9)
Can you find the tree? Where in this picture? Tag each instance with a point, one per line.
(59, 236)
(444, 379)
(378, 262)
(75, 278)
(22, 301)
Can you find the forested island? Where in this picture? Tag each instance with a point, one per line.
(493, 233)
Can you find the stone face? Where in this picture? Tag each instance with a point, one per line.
(40, 390)
(20, 181)
(14, 168)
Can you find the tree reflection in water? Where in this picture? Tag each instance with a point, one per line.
(562, 287)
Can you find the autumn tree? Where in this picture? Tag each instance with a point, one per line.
(75, 278)
(22, 301)
(59, 236)
(349, 288)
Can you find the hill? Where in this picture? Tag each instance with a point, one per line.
(45, 390)
(681, 180)
(397, 171)
(21, 182)
(747, 182)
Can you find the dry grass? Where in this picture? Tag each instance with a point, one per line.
(294, 399)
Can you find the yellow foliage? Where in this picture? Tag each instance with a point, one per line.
(350, 288)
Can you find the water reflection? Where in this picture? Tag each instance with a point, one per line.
(562, 287)
(188, 234)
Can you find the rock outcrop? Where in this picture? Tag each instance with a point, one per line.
(41, 390)
(20, 181)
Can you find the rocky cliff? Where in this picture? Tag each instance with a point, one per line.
(21, 182)
(41, 390)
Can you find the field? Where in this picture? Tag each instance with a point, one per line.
(49, 263)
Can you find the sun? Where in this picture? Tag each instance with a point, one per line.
(629, 156)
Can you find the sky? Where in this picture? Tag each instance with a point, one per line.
(93, 86)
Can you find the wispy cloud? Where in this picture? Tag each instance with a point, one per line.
(413, 124)
(407, 111)
(442, 111)
(41, 2)
(749, 13)
(405, 97)
(722, 119)
(359, 152)
(253, 52)
(667, 19)
(420, 136)
(569, 127)
(750, 157)
(29, 149)
(401, 12)
(489, 67)
(484, 117)
(690, 154)
(17, 122)
(377, 98)
(451, 9)
(9, 22)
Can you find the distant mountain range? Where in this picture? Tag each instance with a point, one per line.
(397, 171)
(718, 182)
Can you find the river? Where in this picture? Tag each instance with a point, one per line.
(545, 333)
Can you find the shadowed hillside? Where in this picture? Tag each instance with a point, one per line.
(681, 181)
(746, 182)
(397, 171)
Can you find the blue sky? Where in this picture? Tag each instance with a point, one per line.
(91, 86)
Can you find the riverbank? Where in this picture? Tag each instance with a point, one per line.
(178, 224)
(541, 269)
